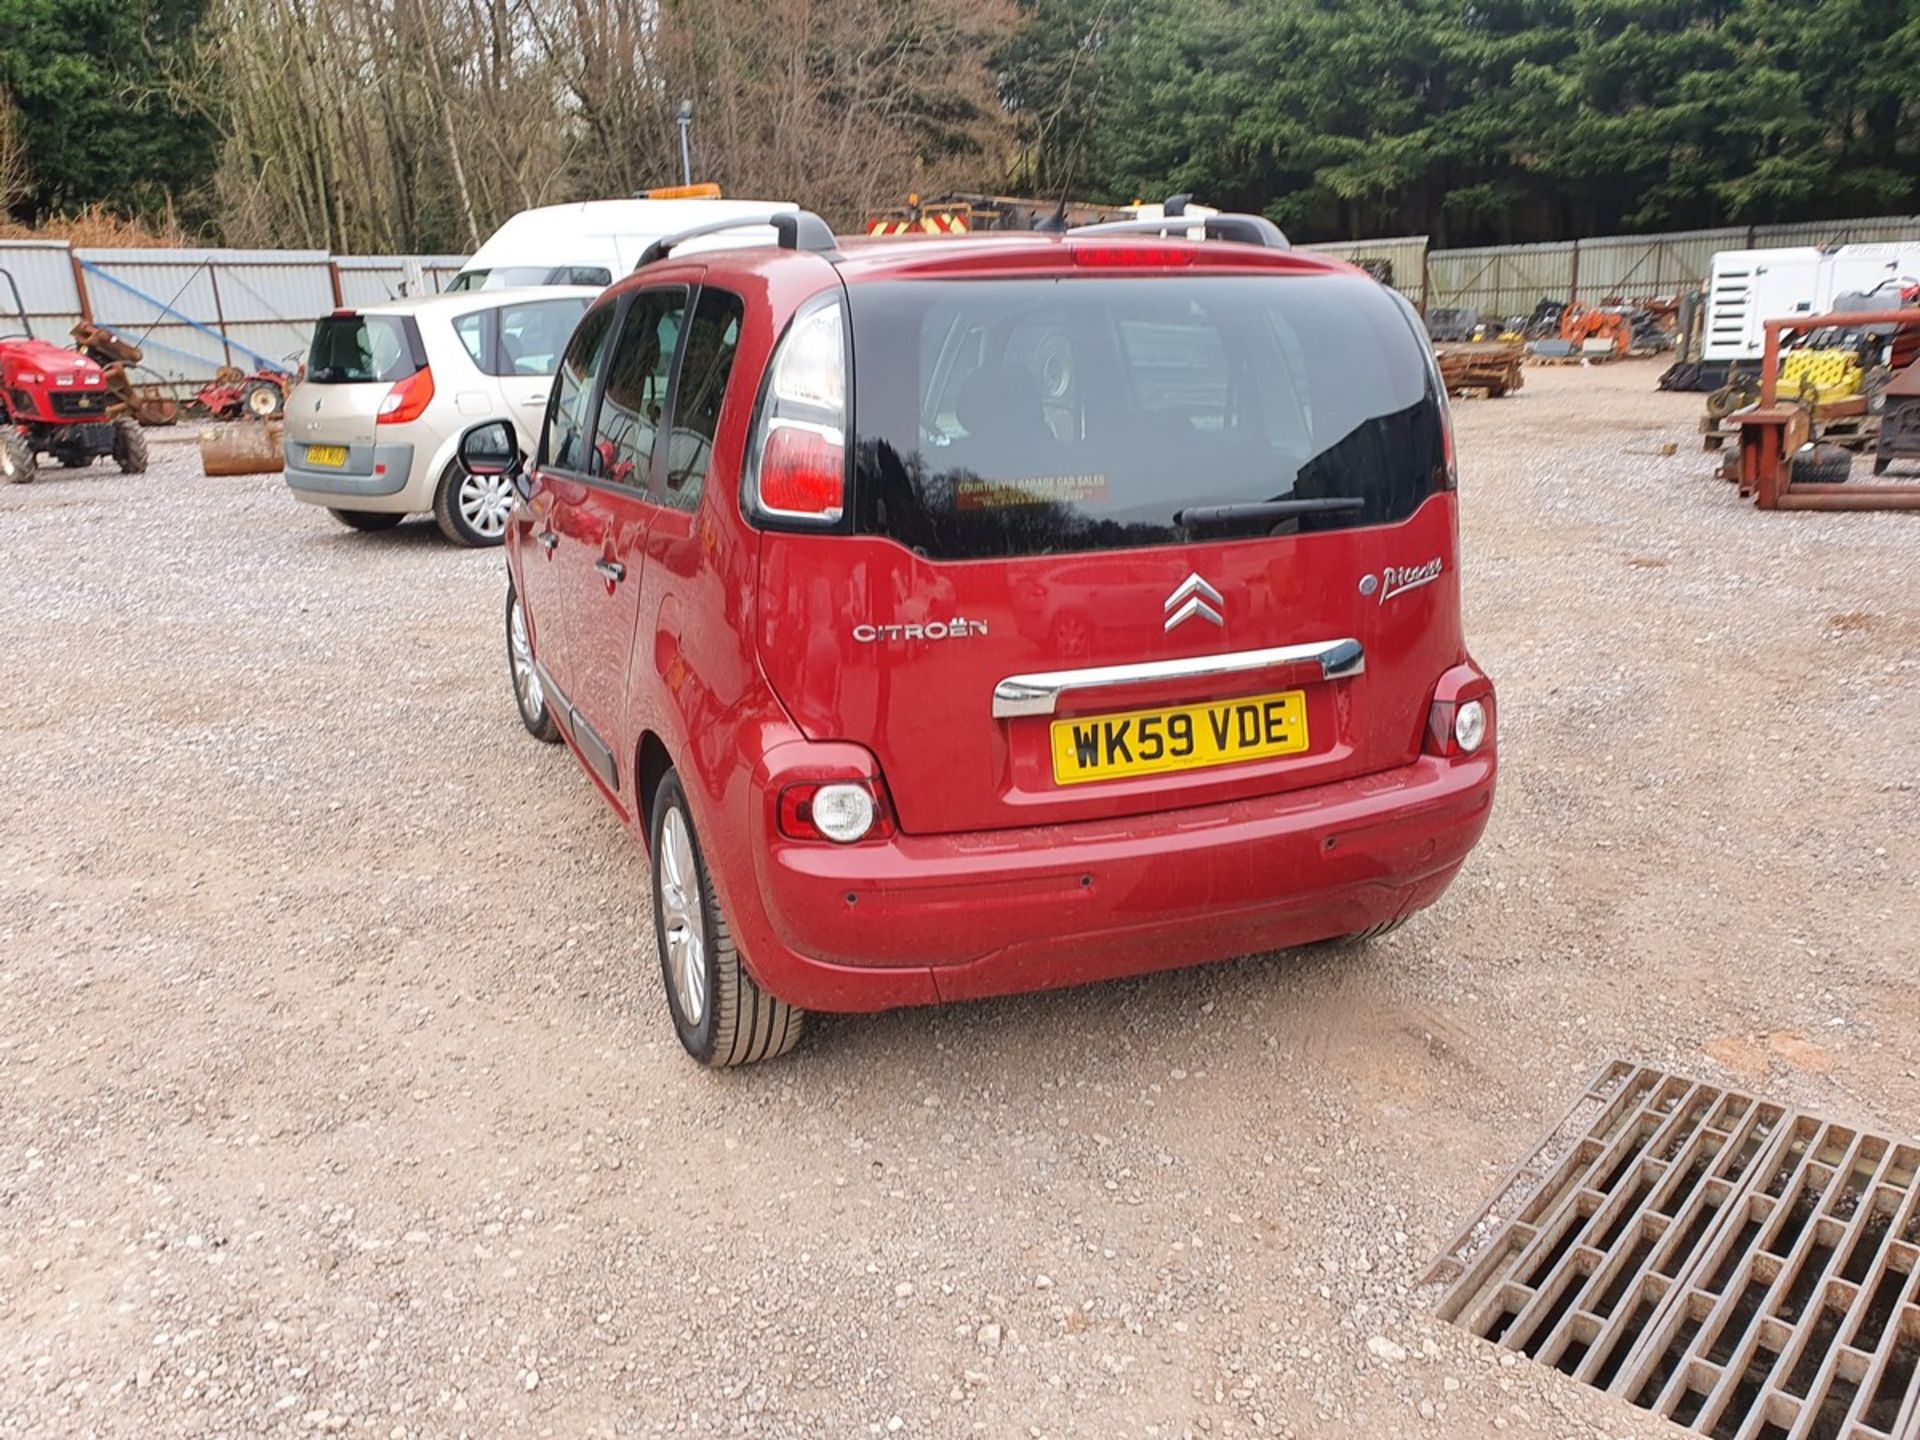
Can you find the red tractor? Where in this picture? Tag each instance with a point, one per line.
(55, 401)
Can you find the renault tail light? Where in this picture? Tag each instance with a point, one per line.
(408, 400)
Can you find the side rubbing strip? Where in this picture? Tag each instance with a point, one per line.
(1040, 694)
(586, 739)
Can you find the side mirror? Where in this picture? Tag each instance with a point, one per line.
(492, 448)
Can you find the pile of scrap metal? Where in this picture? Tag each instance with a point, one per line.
(1653, 324)
(1838, 370)
(1493, 369)
(1560, 330)
(1453, 325)
(1786, 458)
(1583, 332)
(233, 394)
(148, 402)
(1899, 437)
(959, 212)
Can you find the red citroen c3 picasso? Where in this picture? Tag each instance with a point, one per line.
(951, 618)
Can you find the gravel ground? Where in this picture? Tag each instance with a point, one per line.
(338, 1094)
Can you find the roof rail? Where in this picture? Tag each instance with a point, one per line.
(1247, 229)
(792, 229)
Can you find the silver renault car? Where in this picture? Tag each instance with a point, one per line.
(373, 428)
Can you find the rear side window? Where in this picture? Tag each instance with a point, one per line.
(570, 419)
(637, 381)
(522, 339)
(1035, 416)
(363, 350)
(712, 339)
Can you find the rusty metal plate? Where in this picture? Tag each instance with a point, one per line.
(1739, 1267)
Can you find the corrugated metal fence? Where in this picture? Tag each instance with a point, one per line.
(193, 311)
(1507, 280)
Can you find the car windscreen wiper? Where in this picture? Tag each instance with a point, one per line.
(1198, 515)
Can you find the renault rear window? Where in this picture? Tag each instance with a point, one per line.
(1035, 416)
(363, 349)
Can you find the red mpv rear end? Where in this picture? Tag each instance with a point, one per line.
(1049, 608)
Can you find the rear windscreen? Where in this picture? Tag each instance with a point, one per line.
(360, 350)
(1034, 416)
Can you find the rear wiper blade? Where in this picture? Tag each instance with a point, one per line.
(1267, 510)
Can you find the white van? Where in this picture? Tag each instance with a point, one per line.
(595, 242)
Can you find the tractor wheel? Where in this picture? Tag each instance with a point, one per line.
(18, 463)
(263, 400)
(1821, 465)
(129, 447)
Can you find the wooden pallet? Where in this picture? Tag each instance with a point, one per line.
(1494, 370)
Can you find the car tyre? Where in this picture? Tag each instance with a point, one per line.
(369, 520)
(1374, 932)
(472, 510)
(529, 695)
(721, 1015)
(129, 447)
(18, 463)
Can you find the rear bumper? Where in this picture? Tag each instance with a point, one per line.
(373, 473)
(923, 919)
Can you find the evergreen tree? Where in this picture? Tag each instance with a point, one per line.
(97, 122)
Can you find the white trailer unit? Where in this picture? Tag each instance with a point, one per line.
(1750, 287)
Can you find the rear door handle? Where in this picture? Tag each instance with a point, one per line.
(1040, 694)
(535, 397)
(547, 538)
(612, 569)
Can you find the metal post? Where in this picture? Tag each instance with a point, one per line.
(80, 286)
(684, 118)
(333, 275)
(219, 315)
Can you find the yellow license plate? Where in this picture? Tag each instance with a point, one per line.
(1187, 737)
(334, 455)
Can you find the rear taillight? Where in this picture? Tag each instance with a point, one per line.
(800, 469)
(842, 811)
(1460, 719)
(803, 471)
(1449, 477)
(408, 400)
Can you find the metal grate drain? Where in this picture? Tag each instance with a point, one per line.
(1747, 1270)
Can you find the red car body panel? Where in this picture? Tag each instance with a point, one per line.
(924, 706)
(730, 650)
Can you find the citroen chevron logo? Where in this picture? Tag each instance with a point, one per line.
(1194, 596)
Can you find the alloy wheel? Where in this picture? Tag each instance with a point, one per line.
(485, 501)
(683, 919)
(526, 680)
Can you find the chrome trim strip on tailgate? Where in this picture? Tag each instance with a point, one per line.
(1040, 694)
